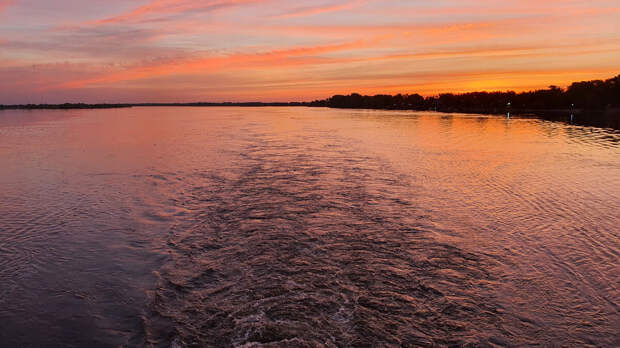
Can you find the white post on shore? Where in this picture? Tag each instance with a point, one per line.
(508, 108)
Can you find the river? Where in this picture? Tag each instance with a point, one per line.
(306, 227)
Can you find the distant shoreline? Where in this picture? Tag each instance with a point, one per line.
(70, 106)
(609, 118)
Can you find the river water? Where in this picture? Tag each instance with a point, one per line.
(306, 227)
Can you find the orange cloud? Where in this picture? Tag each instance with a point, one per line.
(292, 56)
(286, 49)
(311, 56)
(431, 83)
(310, 11)
(171, 7)
(473, 29)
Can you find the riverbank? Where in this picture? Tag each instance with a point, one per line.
(129, 105)
(64, 106)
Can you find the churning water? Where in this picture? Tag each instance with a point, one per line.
(300, 227)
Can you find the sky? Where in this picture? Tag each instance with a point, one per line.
(96, 51)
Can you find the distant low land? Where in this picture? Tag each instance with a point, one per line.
(595, 103)
(115, 106)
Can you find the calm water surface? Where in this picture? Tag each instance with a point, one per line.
(295, 227)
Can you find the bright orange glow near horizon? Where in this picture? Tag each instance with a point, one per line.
(274, 50)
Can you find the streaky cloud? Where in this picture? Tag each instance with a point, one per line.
(172, 7)
(302, 55)
(315, 10)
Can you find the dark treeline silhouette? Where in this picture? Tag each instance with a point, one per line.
(110, 106)
(587, 95)
(590, 102)
(64, 106)
(250, 104)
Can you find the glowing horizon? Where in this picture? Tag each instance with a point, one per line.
(274, 50)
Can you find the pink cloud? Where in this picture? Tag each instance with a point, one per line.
(278, 58)
(171, 7)
(310, 11)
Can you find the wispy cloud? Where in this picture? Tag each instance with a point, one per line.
(290, 56)
(173, 7)
(315, 10)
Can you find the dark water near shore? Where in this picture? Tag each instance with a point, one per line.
(286, 227)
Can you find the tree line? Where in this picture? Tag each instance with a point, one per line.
(595, 95)
(111, 106)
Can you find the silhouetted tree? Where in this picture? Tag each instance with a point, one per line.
(587, 95)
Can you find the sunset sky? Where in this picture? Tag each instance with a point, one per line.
(54, 51)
